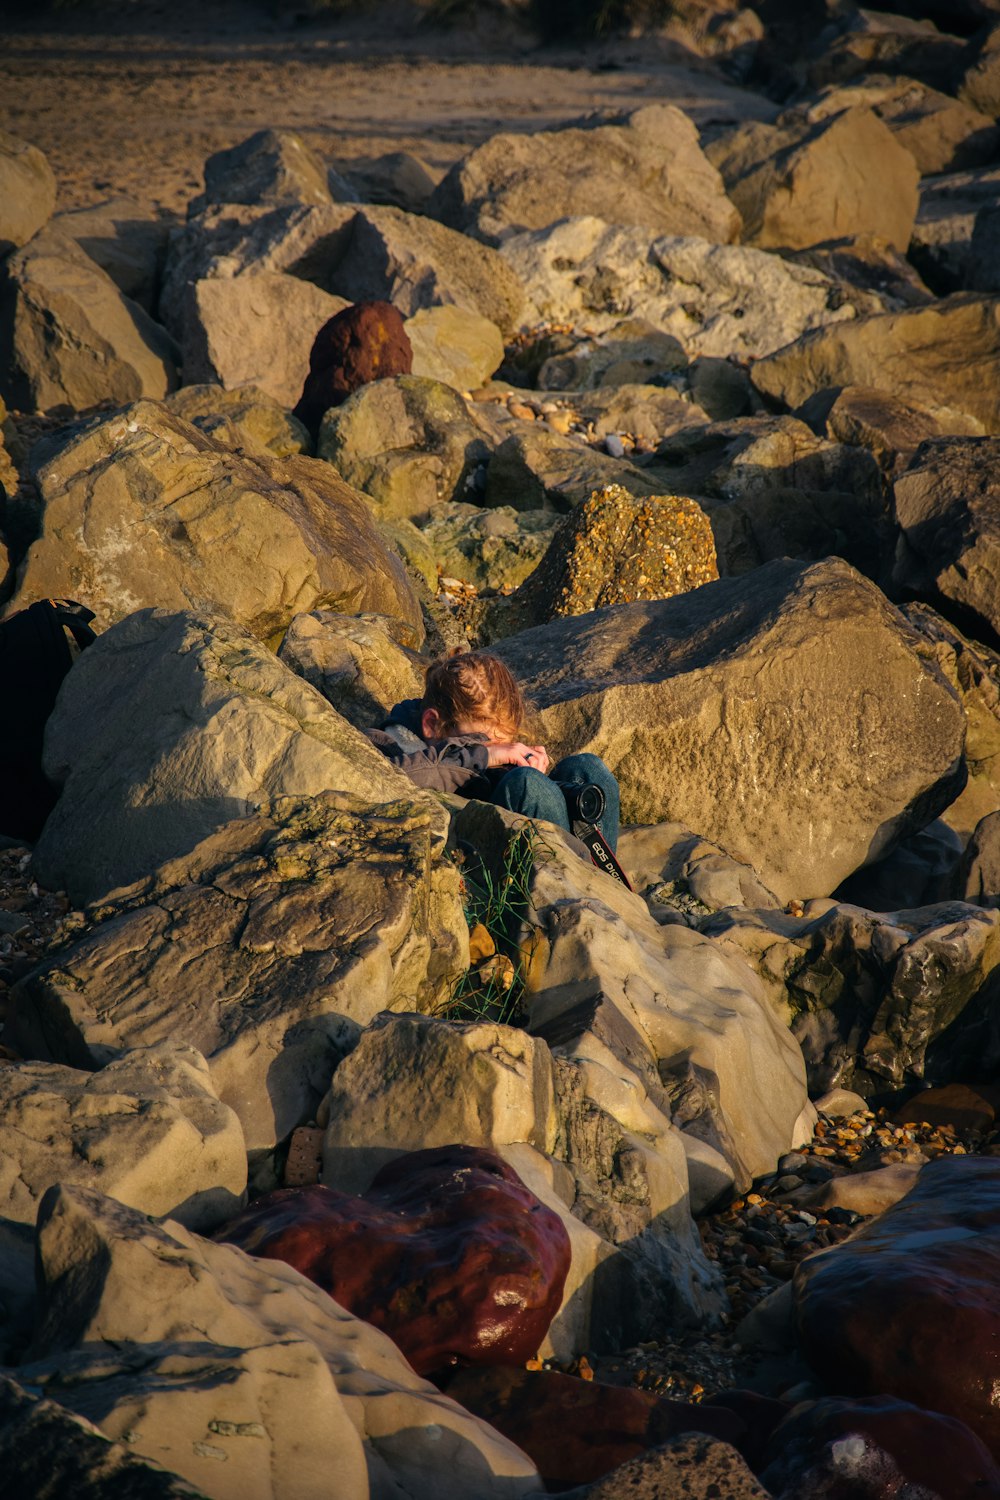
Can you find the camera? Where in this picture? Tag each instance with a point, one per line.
(584, 800)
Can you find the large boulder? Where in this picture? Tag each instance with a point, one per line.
(68, 336)
(242, 418)
(267, 948)
(941, 247)
(147, 1129)
(27, 191)
(170, 725)
(947, 506)
(492, 548)
(941, 133)
(716, 299)
(759, 695)
(362, 664)
(454, 345)
(908, 1306)
(646, 169)
(270, 166)
(141, 508)
(536, 468)
(238, 1374)
(126, 240)
(447, 1252)
(941, 355)
(798, 184)
(891, 430)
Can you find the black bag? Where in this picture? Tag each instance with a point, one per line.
(38, 646)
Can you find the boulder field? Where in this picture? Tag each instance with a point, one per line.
(359, 1138)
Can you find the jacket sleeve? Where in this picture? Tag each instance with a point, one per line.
(442, 765)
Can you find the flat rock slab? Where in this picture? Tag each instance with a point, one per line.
(267, 948)
(751, 711)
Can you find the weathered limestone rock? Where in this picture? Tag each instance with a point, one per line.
(270, 166)
(458, 347)
(715, 299)
(27, 191)
(47, 1451)
(169, 726)
(678, 872)
(947, 506)
(941, 247)
(980, 87)
(885, 44)
(792, 769)
(254, 330)
(797, 186)
(646, 169)
(941, 133)
(612, 549)
(266, 947)
(127, 241)
(398, 178)
(632, 351)
(361, 664)
(244, 419)
(889, 428)
(980, 871)
(408, 442)
(68, 336)
(141, 508)
(539, 469)
(147, 1129)
(495, 548)
(898, 1279)
(942, 355)
(251, 1383)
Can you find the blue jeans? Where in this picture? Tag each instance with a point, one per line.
(526, 791)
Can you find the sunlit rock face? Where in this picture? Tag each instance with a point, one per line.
(449, 1254)
(909, 1306)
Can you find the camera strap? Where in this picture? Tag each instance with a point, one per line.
(601, 852)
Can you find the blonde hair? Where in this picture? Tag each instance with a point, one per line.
(477, 686)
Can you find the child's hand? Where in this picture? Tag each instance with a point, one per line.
(516, 754)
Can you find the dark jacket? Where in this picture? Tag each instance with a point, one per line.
(460, 764)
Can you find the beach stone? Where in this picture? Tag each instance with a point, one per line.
(138, 511)
(126, 240)
(891, 429)
(493, 548)
(846, 648)
(612, 549)
(69, 337)
(674, 869)
(255, 329)
(933, 1257)
(267, 947)
(874, 1445)
(27, 191)
(645, 168)
(169, 726)
(946, 507)
(454, 345)
(408, 442)
(147, 1129)
(540, 470)
(693, 1465)
(796, 184)
(47, 1451)
(270, 166)
(244, 418)
(940, 132)
(398, 178)
(718, 300)
(979, 874)
(941, 247)
(578, 1431)
(415, 262)
(365, 341)
(958, 1104)
(942, 355)
(251, 1381)
(362, 664)
(650, 413)
(459, 1263)
(864, 1193)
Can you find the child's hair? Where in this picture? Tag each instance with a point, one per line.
(474, 685)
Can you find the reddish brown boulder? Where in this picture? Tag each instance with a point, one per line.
(910, 1306)
(966, 1106)
(575, 1431)
(365, 342)
(448, 1253)
(925, 1448)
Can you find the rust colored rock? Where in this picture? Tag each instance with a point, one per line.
(965, 1106)
(909, 1306)
(935, 1452)
(575, 1430)
(448, 1253)
(365, 342)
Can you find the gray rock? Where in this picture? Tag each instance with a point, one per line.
(456, 346)
(631, 353)
(238, 1373)
(267, 947)
(919, 871)
(245, 419)
(68, 336)
(675, 870)
(148, 1129)
(169, 726)
(495, 548)
(866, 266)
(270, 166)
(27, 191)
(798, 183)
(979, 874)
(756, 757)
(984, 250)
(718, 300)
(941, 248)
(139, 510)
(645, 169)
(361, 664)
(127, 241)
(398, 178)
(539, 469)
(892, 430)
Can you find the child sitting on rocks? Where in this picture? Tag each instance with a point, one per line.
(463, 736)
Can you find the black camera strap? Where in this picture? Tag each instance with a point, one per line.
(601, 852)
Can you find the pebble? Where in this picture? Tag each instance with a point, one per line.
(614, 445)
